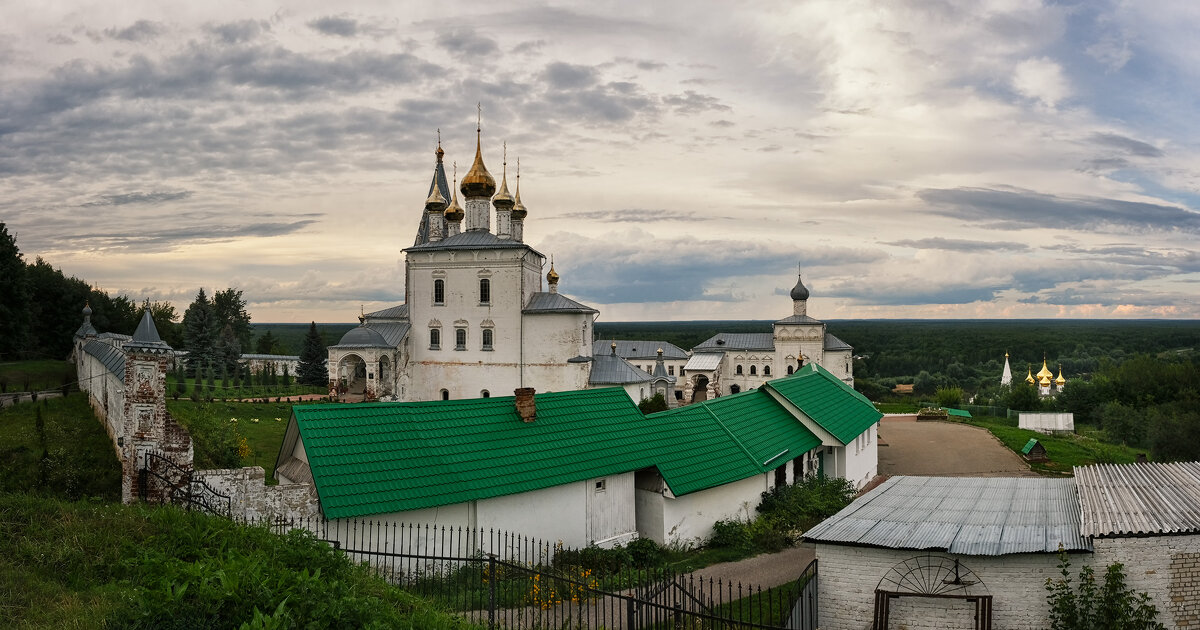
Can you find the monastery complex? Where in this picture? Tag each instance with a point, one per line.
(478, 321)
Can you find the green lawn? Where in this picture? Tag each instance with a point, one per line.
(24, 376)
(79, 461)
(239, 393)
(1064, 451)
(212, 428)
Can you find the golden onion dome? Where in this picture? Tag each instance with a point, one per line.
(1029, 376)
(478, 181)
(435, 202)
(1045, 371)
(504, 199)
(1045, 382)
(552, 276)
(454, 212)
(518, 212)
(1060, 380)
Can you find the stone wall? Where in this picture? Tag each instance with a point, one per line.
(1184, 589)
(253, 500)
(1163, 566)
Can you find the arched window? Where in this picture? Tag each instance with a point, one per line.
(435, 339)
(439, 291)
(753, 370)
(790, 368)
(445, 394)
(733, 389)
(487, 340)
(485, 394)
(766, 370)
(485, 291)
(460, 338)
(738, 370)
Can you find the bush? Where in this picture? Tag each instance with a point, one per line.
(599, 560)
(653, 404)
(646, 553)
(949, 396)
(732, 534)
(801, 505)
(1113, 607)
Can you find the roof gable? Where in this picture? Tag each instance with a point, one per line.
(833, 405)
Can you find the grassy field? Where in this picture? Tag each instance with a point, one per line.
(217, 427)
(24, 376)
(240, 393)
(79, 459)
(1087, 446)
(95, 565)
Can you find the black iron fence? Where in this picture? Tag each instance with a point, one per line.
(506, 580)
(162, 480)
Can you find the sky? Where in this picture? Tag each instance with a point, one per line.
(680, 160)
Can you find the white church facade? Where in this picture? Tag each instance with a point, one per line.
(477, 320)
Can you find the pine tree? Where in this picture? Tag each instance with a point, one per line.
(14, 297)
(228, 349)
(287, 378)
(311, 369)
(199, 332)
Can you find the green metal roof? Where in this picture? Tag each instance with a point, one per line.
(961, 413)
(1029, 446)
(376, 458)
(727, 439)
(831, 403)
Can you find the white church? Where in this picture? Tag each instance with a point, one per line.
(477, 320)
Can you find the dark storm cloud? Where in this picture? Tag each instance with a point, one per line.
(632, 215)
(692, 102)
(465, 43)
(1128, 145)
(960, 245)
(1103, 296)
(1015, 209)
(168, 239)
(139, 31)
(565, 76)
(238, 32)
(340, 26)
(138, 197)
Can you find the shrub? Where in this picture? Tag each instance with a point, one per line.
(807, 502)
(948, 396)
(1113, 607)
(731, 533)
(646, 553)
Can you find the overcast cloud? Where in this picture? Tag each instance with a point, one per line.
(958, 159)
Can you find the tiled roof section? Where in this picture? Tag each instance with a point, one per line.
(555, 303)
(798, 319)
(474, 239)
(109, 356)
(703, 362)
(981, 516)
(1139, 499)
(833, 343)
(830, 403)
(373, 458)
(639, 349)
(726, 439)
(737, 341)
(610, 369)
(400, 311)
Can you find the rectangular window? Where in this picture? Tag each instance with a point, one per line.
(601, 485)
(485, 291)
(460, 338)
(435, 339)
(671, 370)
(487, 338)
(439, 291)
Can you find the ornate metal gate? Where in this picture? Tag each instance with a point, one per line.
(176, 484)
(935, 577)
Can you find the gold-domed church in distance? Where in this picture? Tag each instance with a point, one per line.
(478, 321)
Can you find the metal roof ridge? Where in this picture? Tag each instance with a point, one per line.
(732, 437)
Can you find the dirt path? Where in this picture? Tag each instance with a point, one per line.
(908, 447)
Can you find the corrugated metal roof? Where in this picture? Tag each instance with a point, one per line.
(983, 516)
(833, 343)
(610, 369)
(703, 362)
(639, 349)
(737, 341)
(400, 311)
(1143, 498)
(555, 303)
(108, 355)
(831, 403)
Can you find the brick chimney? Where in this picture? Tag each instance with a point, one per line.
(526, 406)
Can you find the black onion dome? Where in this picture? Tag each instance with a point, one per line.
(799, 292)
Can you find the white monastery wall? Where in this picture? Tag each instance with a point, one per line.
(861, 457)
(252, 500)
(689, 518)
(555, 513)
